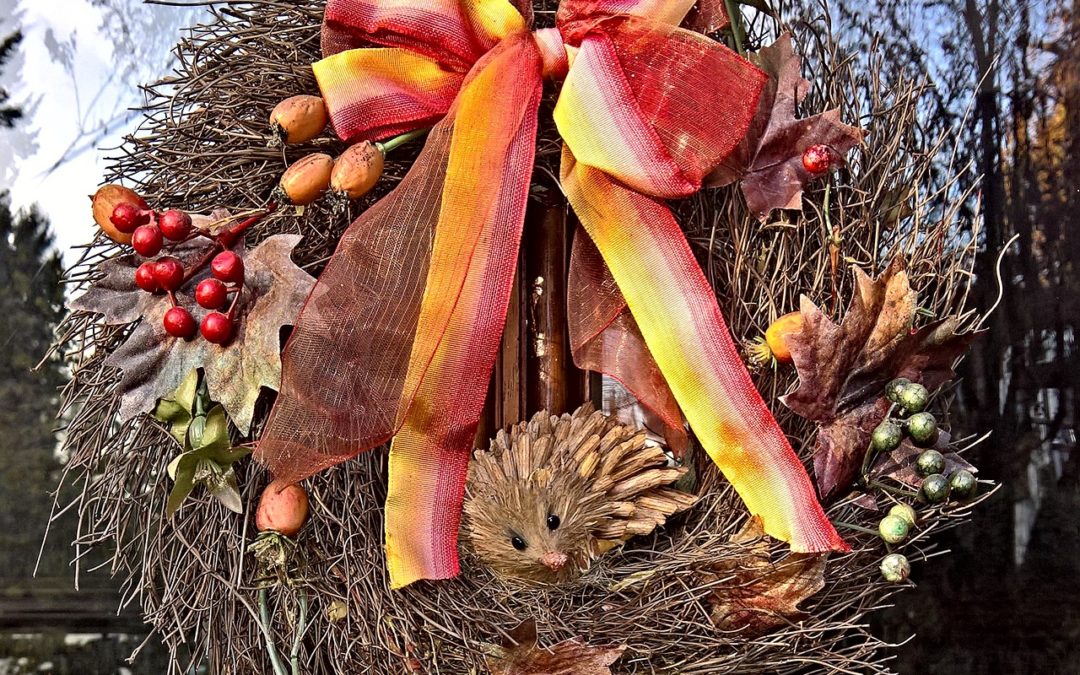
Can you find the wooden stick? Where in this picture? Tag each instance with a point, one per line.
(548, 347)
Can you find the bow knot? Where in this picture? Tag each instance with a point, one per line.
(401, 333)
(553, 53)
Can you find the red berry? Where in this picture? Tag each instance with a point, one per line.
(147, 241)
(228, 267)
(217, 328)
(169, 273)
(211, 293)
(179, 323)
(145, 279)
(127, 217)
(175, 225)
(817, 159)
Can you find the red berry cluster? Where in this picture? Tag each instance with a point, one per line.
(148, 231)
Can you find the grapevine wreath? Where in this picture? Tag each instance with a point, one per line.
(333, 268)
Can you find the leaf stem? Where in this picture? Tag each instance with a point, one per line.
(398, 141)
(738, 33)
(264, 625)
(301, 627)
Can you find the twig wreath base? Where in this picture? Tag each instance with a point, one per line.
(203, 145)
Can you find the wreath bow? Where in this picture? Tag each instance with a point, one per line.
(400, 335)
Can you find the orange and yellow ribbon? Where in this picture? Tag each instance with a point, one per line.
(400, 335)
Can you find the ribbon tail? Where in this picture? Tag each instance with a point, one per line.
(681, 322)
(473, 265)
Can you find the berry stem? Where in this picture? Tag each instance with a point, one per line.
(857, 528)
(398, 141)
(891, 490)
(266, 627)
(301, 628)
(172, 299)
(226, 239)
(870, 455)
(232, 306)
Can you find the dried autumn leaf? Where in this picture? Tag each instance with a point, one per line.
(154, 364)
(768, 161)
(843, 369)
(755, 595)
(521, 655)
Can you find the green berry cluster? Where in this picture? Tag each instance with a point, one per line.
(936, 486)
(911, 420)
(920, 426)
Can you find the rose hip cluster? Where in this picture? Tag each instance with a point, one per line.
(149, 231)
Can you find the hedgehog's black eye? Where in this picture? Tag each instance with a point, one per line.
(553, 522)
(519, 543)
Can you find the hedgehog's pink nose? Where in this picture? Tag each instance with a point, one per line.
(554, 561)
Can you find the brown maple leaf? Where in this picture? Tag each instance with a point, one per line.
(768, 161)
(521, 655)
(153, 364)
(843, 369)
(756, 595)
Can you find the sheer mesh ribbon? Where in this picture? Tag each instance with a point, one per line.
(399, 337)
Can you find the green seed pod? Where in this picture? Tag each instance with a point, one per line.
(914, 398)
(963, 484)
(893, 529)
(906, 512)
(935, 489)
(892, 389)
(923, 429)
(930, 462)
(895, 568)
(886, 437)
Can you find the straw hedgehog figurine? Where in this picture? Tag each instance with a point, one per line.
(553, 493)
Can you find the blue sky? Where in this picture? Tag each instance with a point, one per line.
(74, 77)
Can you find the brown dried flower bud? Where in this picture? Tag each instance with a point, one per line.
(307, 179)
(298, 119)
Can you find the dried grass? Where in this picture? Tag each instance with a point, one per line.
(202, 145)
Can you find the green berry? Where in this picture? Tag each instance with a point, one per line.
(886, 436)
(906, 512)
(935, 489)
(923, 429)
(895, 568)
(893, 529)
(914, 398)
(930, 462)
(892, 389)
(963, 484)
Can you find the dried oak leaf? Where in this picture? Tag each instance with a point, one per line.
(768, 161)
(843, 369)
(755, 595)
(521, 655)
(153, 364)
